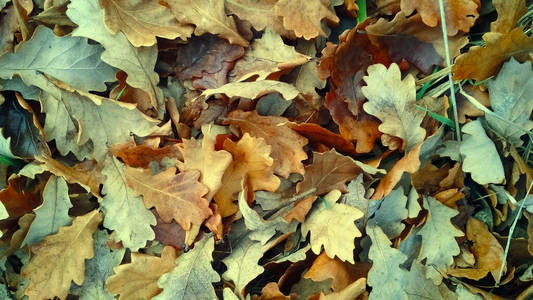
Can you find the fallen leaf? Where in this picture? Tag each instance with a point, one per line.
(304, 17)
(486, 249)
(192, 276)
(140, 156)
(138, 279)
(175, 196)
(392, 100)
(120, 203)
(329, 171)
(271, 292)
(511, 102)
(390, 214)
(324, 268)
(287, 146)
(477, 149)
(316, 133)
(266, 56)
(17, 200)
(60, 258)
(509, 12)
(254, 89)
(201, 155)
(207, 16)
(460, 15)
(333, 227)
(482, 62)
(138, 63)
(251, 158)
(52, 213)
(353, 291)
(141, 21)
(82, 69)
(439, 252)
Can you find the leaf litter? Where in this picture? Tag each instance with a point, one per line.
(267, 149)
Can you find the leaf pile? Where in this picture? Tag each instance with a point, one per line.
(271, 149)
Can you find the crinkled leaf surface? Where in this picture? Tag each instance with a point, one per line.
(303, 17)
(192, 276)
(60, 258)
(254, 89)
(390, 214)
(392, 100)
(125, 212)
(53, 213)
(70, 59)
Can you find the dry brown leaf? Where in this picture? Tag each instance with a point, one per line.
(60, 258)
(287, 145)
(168, 234)
(305, 16)
(140, 156)
(175, 196)
(266, 56)
(138, 279)
(353, 291)
(324, 268)
(329, 171)
(271, 292)
(207, 16)
(251, 158)
(300, 209)
(487, 250)
(17, 199)
(482, 62)
(132, 95)
(143, 20)
(316, 133)
(201, 155)
(509, 12)
(467, 109)
(409, 163)
(460, 14)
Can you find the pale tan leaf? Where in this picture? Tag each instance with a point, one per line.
(254, 89)
(305, 16)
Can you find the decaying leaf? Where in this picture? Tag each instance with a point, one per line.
(304, 16)
(254, 89)
(60, 259)
(138, 279)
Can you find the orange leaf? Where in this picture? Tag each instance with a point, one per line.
(175, 196)
(140, 156)
(287, 145)
(316, 133)
(305, 16)
(251, 157)
(17, 199)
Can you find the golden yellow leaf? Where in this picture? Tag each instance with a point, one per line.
(207, 16)
(142, 20)
(60, 258)
(251, 157)
(138, 279)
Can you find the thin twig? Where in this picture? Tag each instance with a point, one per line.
(448, 64)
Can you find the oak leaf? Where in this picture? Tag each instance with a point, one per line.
(324, 268)
(439, 252)
(460, 15)
(316, 133)
(509, 12)
(125, 212)
(138, 279)
(140, 156)
(481, 62)
(52, 213)
(254, 89)
(390, 213)
(477, 148)
(287, 145)
(511, 101)
(201, 155)
(207, 16)
(333, 227)
(70, 59)
(141, 21)
(329, 171)
(488, 251)
(192, 275)
(17, 199)
(266, 56)
(392, 100)
(98, 269)
(175, 196)
(304, 17)
(305, 77)
(352, 291)
(138, 63)
(60, 258)
(251, 158)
